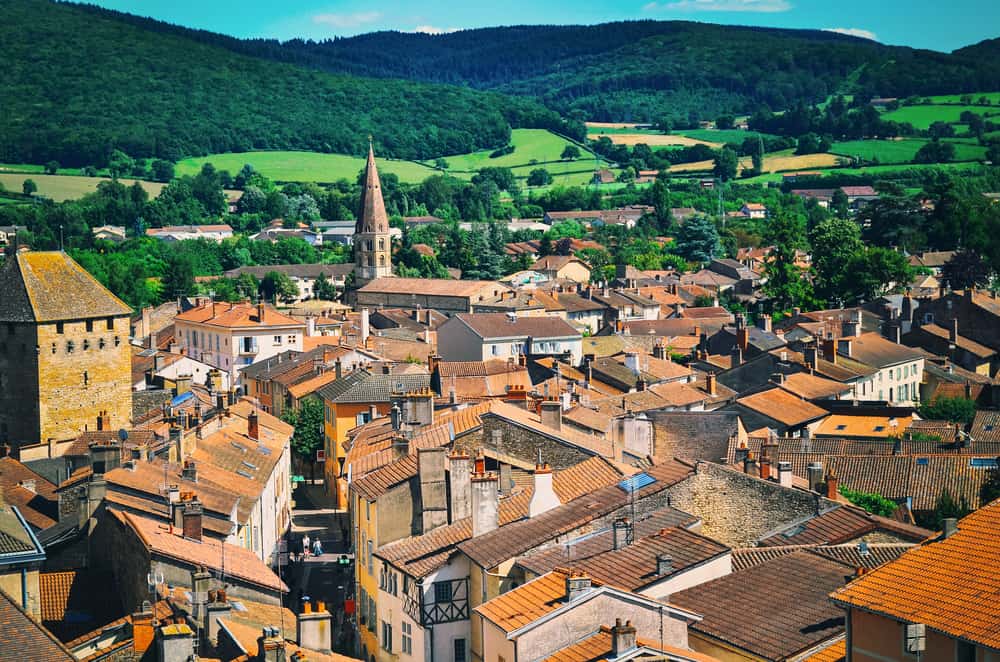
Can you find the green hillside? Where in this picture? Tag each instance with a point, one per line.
(79, 82)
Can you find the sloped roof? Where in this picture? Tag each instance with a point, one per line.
(528, 602)
(372, 216)
(950, 585)
(839, 525)
(795, 615)
(238, 315)
(362, 386)
(782, 406)
(31, 641)
(444, 287)
(50, 286)
(500, 325)
(876, 554)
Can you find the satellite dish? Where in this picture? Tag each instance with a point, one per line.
(122, 434)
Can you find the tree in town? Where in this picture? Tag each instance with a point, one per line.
(948, 506)
(276, 285)
(29, 187)
(660, 196)
(698, 239)
(990, 489)
(570, 152)
(724, 122)
(835, 244)
(178, 276)
(726, 163)
(953, 410)
(788, 284)
(965, 269)
(876, 271)
(308, 423)
(872, 502)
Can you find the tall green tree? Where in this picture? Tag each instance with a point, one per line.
(308, 423)
(178, 277)
(698, 239)
(965, 269)
(836, 242)
(788, 285)
(726, 164)
(276, 285)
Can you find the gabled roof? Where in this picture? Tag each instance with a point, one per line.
(49, 287)
(240, 563)
(444, 287)
(871, 556)
(783, 605)
(874, 350)
(949, 585)
(598, 648)
(500, 325)
(31, 641)
(362, 386)
(782, 406)
(238, 315)
(839, 525)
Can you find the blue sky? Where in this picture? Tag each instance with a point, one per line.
(919, 23)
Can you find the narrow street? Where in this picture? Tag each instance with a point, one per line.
(322, 577)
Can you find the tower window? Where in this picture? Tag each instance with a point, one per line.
(86, 378)
(381, 244)
(70, 346)
(90, 326)
(59, 327)
(111, 323)
(371, 261)
(101, 343)
(53, 348)
(86, 344)
(381, 260)
(370, 245)
(117, 341)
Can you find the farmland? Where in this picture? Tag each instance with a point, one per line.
(901, 151)
(923, 116)
(284, 166)
(776, 162)
(531, 146)
(720, 135)
(658, 140)
(66, 187)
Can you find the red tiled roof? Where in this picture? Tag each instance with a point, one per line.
(237, 315)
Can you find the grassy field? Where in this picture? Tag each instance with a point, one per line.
(994, 98)
(31, 168)
(902, 151)
(598, 131)
(659, 140)
(720, 135)
(530, 145)
(67, 187)
(870, 170)
(304, 166)
(923, 116)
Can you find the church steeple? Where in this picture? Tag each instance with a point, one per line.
(372, 243)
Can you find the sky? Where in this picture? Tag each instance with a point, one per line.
(932, 24)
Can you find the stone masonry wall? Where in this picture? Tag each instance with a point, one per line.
(18, 384)
(524, 445)
(738, 509)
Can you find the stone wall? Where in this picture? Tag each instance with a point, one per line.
(144, 401)
(115, 548)
(19, 384)
(81, 373)
(524, 444)
(737, 509)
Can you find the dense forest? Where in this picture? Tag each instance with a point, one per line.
(640, 70)
(79, 83)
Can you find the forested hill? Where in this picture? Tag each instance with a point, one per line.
(645, 70)
(79, 82)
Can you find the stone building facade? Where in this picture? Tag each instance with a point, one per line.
(372, 241)
(64, 351)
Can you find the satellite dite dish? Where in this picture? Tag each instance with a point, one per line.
(122, 434)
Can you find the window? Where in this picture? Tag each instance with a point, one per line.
(381, 244)
(86, 378)
(407, 629)
(370, 245)
(387, 636)
(90, 326)
(86, 344)
(494, 350)
(70, 346)
(60, 328)
(371, 551)
(110, 324)
(460, 650)
(277, 340)
(442, 592)
(291, 340)
(965, 652)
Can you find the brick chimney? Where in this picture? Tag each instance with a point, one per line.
(270, 645)
(217, 607)
(485, 503)
(182, 384)
(190, 471)
(419, 407)
(260, 312)
(432, 362)
(765, 468)
(621, 532)
(832, 485)
(191, 517)
(551, 414)
(623, 638)
(103, 421)
(830, 349)
(664, 564)
(142, 628)
(748, 464)
(459, 475)
(543, 496)
(253, 425)
(578, 584)
(710, 383)
(314, 628)
(660, 350)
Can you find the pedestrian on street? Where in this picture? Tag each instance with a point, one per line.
(317, 548)
(305, 544)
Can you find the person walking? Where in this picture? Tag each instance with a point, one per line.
(317, 548)
(305, 544)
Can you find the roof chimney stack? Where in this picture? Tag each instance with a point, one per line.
(543, 497)
(459, 475)
(577, 585)
(623, 638)
(622, 532)
(485, 503)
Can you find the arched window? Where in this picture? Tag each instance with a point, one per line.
(381, 244)
(370, 245)
(381, 260)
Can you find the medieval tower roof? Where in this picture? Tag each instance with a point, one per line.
(372, 217)
(50, 286)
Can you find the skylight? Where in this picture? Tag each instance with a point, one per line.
(636, 482)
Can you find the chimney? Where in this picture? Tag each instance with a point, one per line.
(785, 474)
(217, 607)
(271, 645)
(622, 532)
(765, 468)
(906, 311)
(815, 473)
(831, 485)
(420, 407)
(895, 333)
(459, 473)
(190, 471)
(809, 354)
(485, 503)
(260, 312)
(253, 425)
(778, 378)
(748, 463)
(400, 446)
(737, 356)
(543, 497)
(192, 519)
(623, 638)
(830, 349)
(743, 338)
(740, 454)
(953, 330)
(310, 326)
(365, 327)
(852, 326)
(632, 361)
(949, 527)
(577, 585)
(764, 322)
(175, 642)
(314, 628)
(182, 384)
(433, 487)
(664, 564)
(660, 350)
(710, 383)
(432, 362)
(396, 416)
(551, 414)
(142, 628)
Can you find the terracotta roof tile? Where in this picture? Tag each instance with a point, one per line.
(237, 315)
(782, 406)
(434, 286)
(528, 602)
(946, 584)
(74, 602)
(499, 325)
(597, 648)
(876, 555)
(31, 641)
(240, 562)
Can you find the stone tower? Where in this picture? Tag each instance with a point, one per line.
(372, 244)
(65, 359)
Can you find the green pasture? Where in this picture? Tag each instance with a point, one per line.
(901, 151)
(537, 145)
(923, 116)
(994, 98)
(720, 135)
(66, 187)
(291, 166)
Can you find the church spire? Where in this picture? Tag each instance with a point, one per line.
(372, 216)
